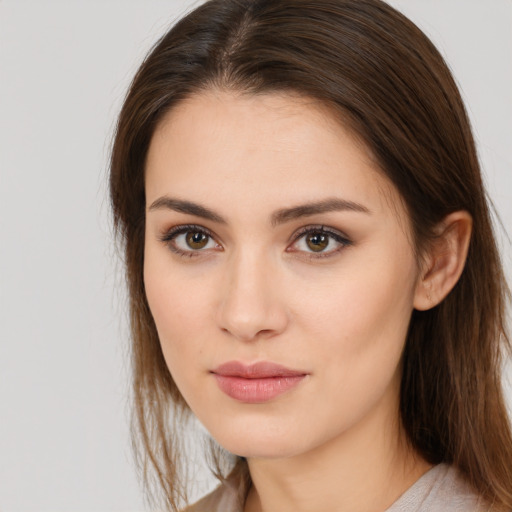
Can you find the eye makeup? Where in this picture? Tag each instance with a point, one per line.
(313, 242)
(197, 238)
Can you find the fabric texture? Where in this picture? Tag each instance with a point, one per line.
(439, 490)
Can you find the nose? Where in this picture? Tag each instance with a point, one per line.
(252, 305)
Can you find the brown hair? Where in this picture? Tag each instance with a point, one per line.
(383, 76)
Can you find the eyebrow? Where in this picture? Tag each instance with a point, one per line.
(189, 207)
(327, 205)
(279, 217)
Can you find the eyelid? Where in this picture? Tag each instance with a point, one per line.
(172, 233)
(338, 236)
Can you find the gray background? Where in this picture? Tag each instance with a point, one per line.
(64, 68)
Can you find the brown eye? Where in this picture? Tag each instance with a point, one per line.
(190, 240)
(317, 242)
(196, 240)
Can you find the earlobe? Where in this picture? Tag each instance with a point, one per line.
(445, 260)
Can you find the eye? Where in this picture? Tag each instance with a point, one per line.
(189, 240)
(319, 241)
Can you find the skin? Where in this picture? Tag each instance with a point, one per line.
(257, 292)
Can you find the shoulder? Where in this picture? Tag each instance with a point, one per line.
(223, 499)
(229, 495)
(441, 488)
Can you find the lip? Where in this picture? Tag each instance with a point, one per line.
(258, 382)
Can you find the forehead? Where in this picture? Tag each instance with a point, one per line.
(272, 150)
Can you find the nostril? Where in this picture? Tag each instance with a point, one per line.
(246, 308)
(249, 335)
(264, 332)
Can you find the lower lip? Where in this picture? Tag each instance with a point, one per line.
(254, 391)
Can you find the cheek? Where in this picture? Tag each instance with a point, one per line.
(176, 293)
(178, 307)
(179, 316)
(354, 337)
(360, 324)
(370, 301)
(177, 328)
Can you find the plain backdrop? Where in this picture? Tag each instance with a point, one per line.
(64, 68)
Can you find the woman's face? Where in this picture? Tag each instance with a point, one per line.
(272, 238)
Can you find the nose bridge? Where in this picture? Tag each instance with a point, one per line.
(251, 305)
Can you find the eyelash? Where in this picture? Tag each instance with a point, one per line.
(169, 236)
(337, 236)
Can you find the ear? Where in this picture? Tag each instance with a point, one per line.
(444, 261)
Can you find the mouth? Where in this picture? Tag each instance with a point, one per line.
(256, 383)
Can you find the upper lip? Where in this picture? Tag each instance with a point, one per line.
(260, 370)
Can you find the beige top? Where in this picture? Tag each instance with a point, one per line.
(439, 490)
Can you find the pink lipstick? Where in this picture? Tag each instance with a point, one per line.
(256, 383)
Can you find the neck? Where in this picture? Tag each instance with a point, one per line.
(365, 469)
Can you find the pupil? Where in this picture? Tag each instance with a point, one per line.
(318, 242)
(196, 240)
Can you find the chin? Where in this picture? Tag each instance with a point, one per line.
(263, 443)
(252, 449)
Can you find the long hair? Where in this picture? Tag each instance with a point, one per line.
(389, 85)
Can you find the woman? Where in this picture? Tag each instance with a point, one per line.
(311, 264)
